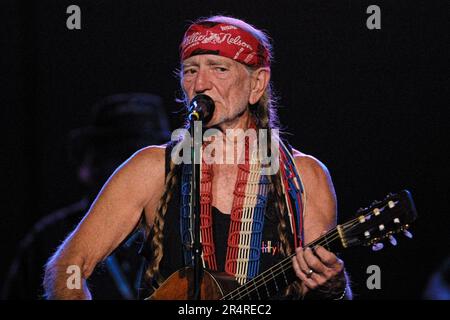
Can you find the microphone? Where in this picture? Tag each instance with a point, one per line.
(201, 108)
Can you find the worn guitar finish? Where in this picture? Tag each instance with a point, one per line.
(380, 221)
(180, 285)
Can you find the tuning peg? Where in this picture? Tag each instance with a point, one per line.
(377, 246)
(392, 240)
(407, 234)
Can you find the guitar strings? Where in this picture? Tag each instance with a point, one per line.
(287, 261)
(279, 268)
(261, 281)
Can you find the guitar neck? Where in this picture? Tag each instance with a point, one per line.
(281, 275)
(378, 222)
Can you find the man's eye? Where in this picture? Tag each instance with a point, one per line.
(189, 71)
(221, 69)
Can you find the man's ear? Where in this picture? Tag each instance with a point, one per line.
(260, 81)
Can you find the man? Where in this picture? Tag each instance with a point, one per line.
(120, 125)
(228, 60)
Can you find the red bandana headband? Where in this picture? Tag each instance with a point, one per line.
(224, 40)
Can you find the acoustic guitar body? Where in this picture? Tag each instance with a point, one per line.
(180, 286)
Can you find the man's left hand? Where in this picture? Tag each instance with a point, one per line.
(319, 270)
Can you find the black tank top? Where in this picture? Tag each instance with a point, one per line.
(173, 258)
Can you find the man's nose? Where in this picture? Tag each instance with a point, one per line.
(202, 81)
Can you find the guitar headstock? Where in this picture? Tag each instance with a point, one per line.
(380, 221)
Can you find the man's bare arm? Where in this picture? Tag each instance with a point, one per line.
(320, 216)
(136, 184)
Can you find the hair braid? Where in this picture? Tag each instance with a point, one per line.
(158, 224)
(286, 248)
(266, 118)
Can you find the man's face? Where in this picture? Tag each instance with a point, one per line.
(226, 81)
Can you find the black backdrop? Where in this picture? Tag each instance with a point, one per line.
(368, 103)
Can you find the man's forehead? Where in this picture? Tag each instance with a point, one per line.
(208, 59)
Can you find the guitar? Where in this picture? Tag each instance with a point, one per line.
(372, 225)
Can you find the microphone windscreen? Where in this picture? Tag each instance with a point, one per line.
(204, 106)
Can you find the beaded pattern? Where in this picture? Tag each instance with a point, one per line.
(247, 215)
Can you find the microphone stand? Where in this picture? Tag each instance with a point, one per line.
(201, 111)
(196, 145)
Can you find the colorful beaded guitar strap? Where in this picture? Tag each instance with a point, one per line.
(247, 214)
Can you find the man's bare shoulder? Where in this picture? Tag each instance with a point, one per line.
(315, 176)
(150, 155)
(320, 192)
(148, 162)
(310, 165)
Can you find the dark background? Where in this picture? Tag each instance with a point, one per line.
(368, 103)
